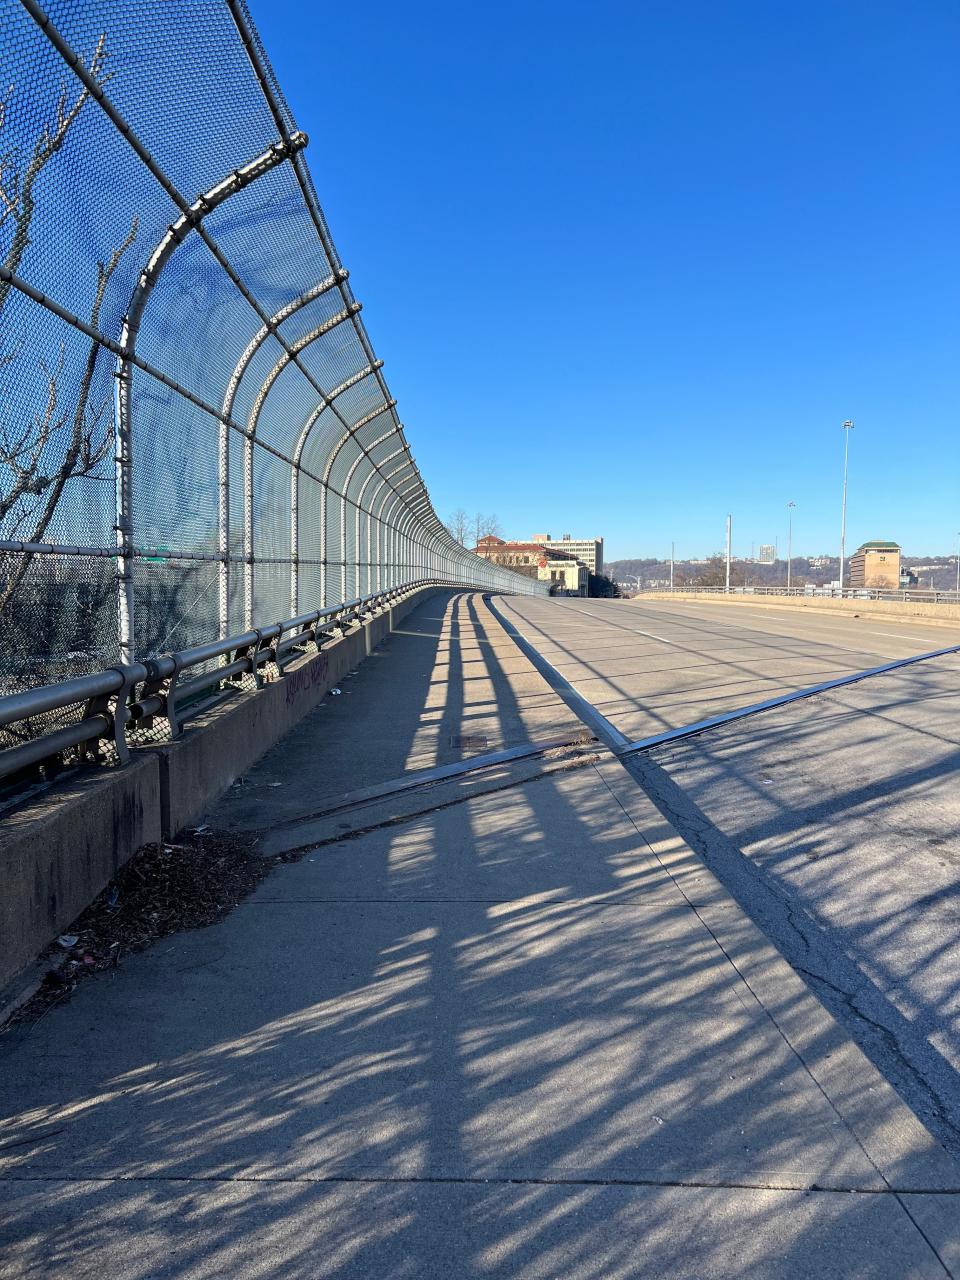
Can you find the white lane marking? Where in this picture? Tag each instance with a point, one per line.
(895, 635)
(651, 636)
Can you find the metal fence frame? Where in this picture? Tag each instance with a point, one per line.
(388, 533)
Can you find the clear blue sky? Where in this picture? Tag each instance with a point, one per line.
(630, 265)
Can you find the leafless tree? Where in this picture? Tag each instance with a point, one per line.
(458, 526)
(714, 573)
(466, 528)
(41, 452)
(486, 526)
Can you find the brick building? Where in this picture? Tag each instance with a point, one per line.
(564, 572)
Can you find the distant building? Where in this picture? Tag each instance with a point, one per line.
(875, 564)
(589, 551)
(768, 553)
(564, 572)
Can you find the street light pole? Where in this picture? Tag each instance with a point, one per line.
(729, 533)
(958, 564)
(790, 507)
(847, 428)
(672, 545)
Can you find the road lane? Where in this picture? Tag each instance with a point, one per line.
(650, 666)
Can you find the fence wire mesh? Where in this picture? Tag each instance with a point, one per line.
(195, 433)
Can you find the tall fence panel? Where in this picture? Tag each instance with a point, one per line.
(196, 435)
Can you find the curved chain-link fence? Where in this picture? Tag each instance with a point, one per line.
(196, 436)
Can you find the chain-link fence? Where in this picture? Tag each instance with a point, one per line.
(195, 434)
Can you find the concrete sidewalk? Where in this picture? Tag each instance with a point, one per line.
(523, 1033)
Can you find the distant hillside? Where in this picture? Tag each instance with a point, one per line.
(940, 572)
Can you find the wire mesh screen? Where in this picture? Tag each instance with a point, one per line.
(195, 432)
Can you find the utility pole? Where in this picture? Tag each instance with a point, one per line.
(790, 506)
(672, 545)
(729, 535)
(847, 428)
(958, 565)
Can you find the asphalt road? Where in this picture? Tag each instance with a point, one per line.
(648, 666)
(834, 821)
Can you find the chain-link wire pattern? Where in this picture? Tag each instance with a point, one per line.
(195, 432)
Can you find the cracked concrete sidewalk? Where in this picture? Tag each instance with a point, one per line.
(524, 1035)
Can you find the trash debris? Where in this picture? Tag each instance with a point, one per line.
(274, 784)
(164, 888)
(198, 831)
(335, 692)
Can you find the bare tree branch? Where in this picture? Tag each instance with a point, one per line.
(83, 453)
(458, 526)
(17, 183)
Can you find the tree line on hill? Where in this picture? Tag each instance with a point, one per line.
(936, 572)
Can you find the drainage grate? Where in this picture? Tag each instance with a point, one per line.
(468, 741)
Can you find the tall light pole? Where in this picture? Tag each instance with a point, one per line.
(790, 507)
(958, 564)
(672, 545)
(847, 428)
(729, 534)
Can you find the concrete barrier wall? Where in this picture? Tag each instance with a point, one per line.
(59, 850)
(217, 747)
(64, 846)
(937, 614)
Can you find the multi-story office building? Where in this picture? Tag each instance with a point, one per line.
(589, 551)
(875, 564)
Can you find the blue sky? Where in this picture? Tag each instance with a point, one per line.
(631, 265)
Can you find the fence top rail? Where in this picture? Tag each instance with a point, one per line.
(53, 697)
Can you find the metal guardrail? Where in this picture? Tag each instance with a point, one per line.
(135, 693)
(904, 595)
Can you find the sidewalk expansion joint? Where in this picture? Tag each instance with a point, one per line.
(560, 766)
(424, 778)
(572, 904)
(784, 1186)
